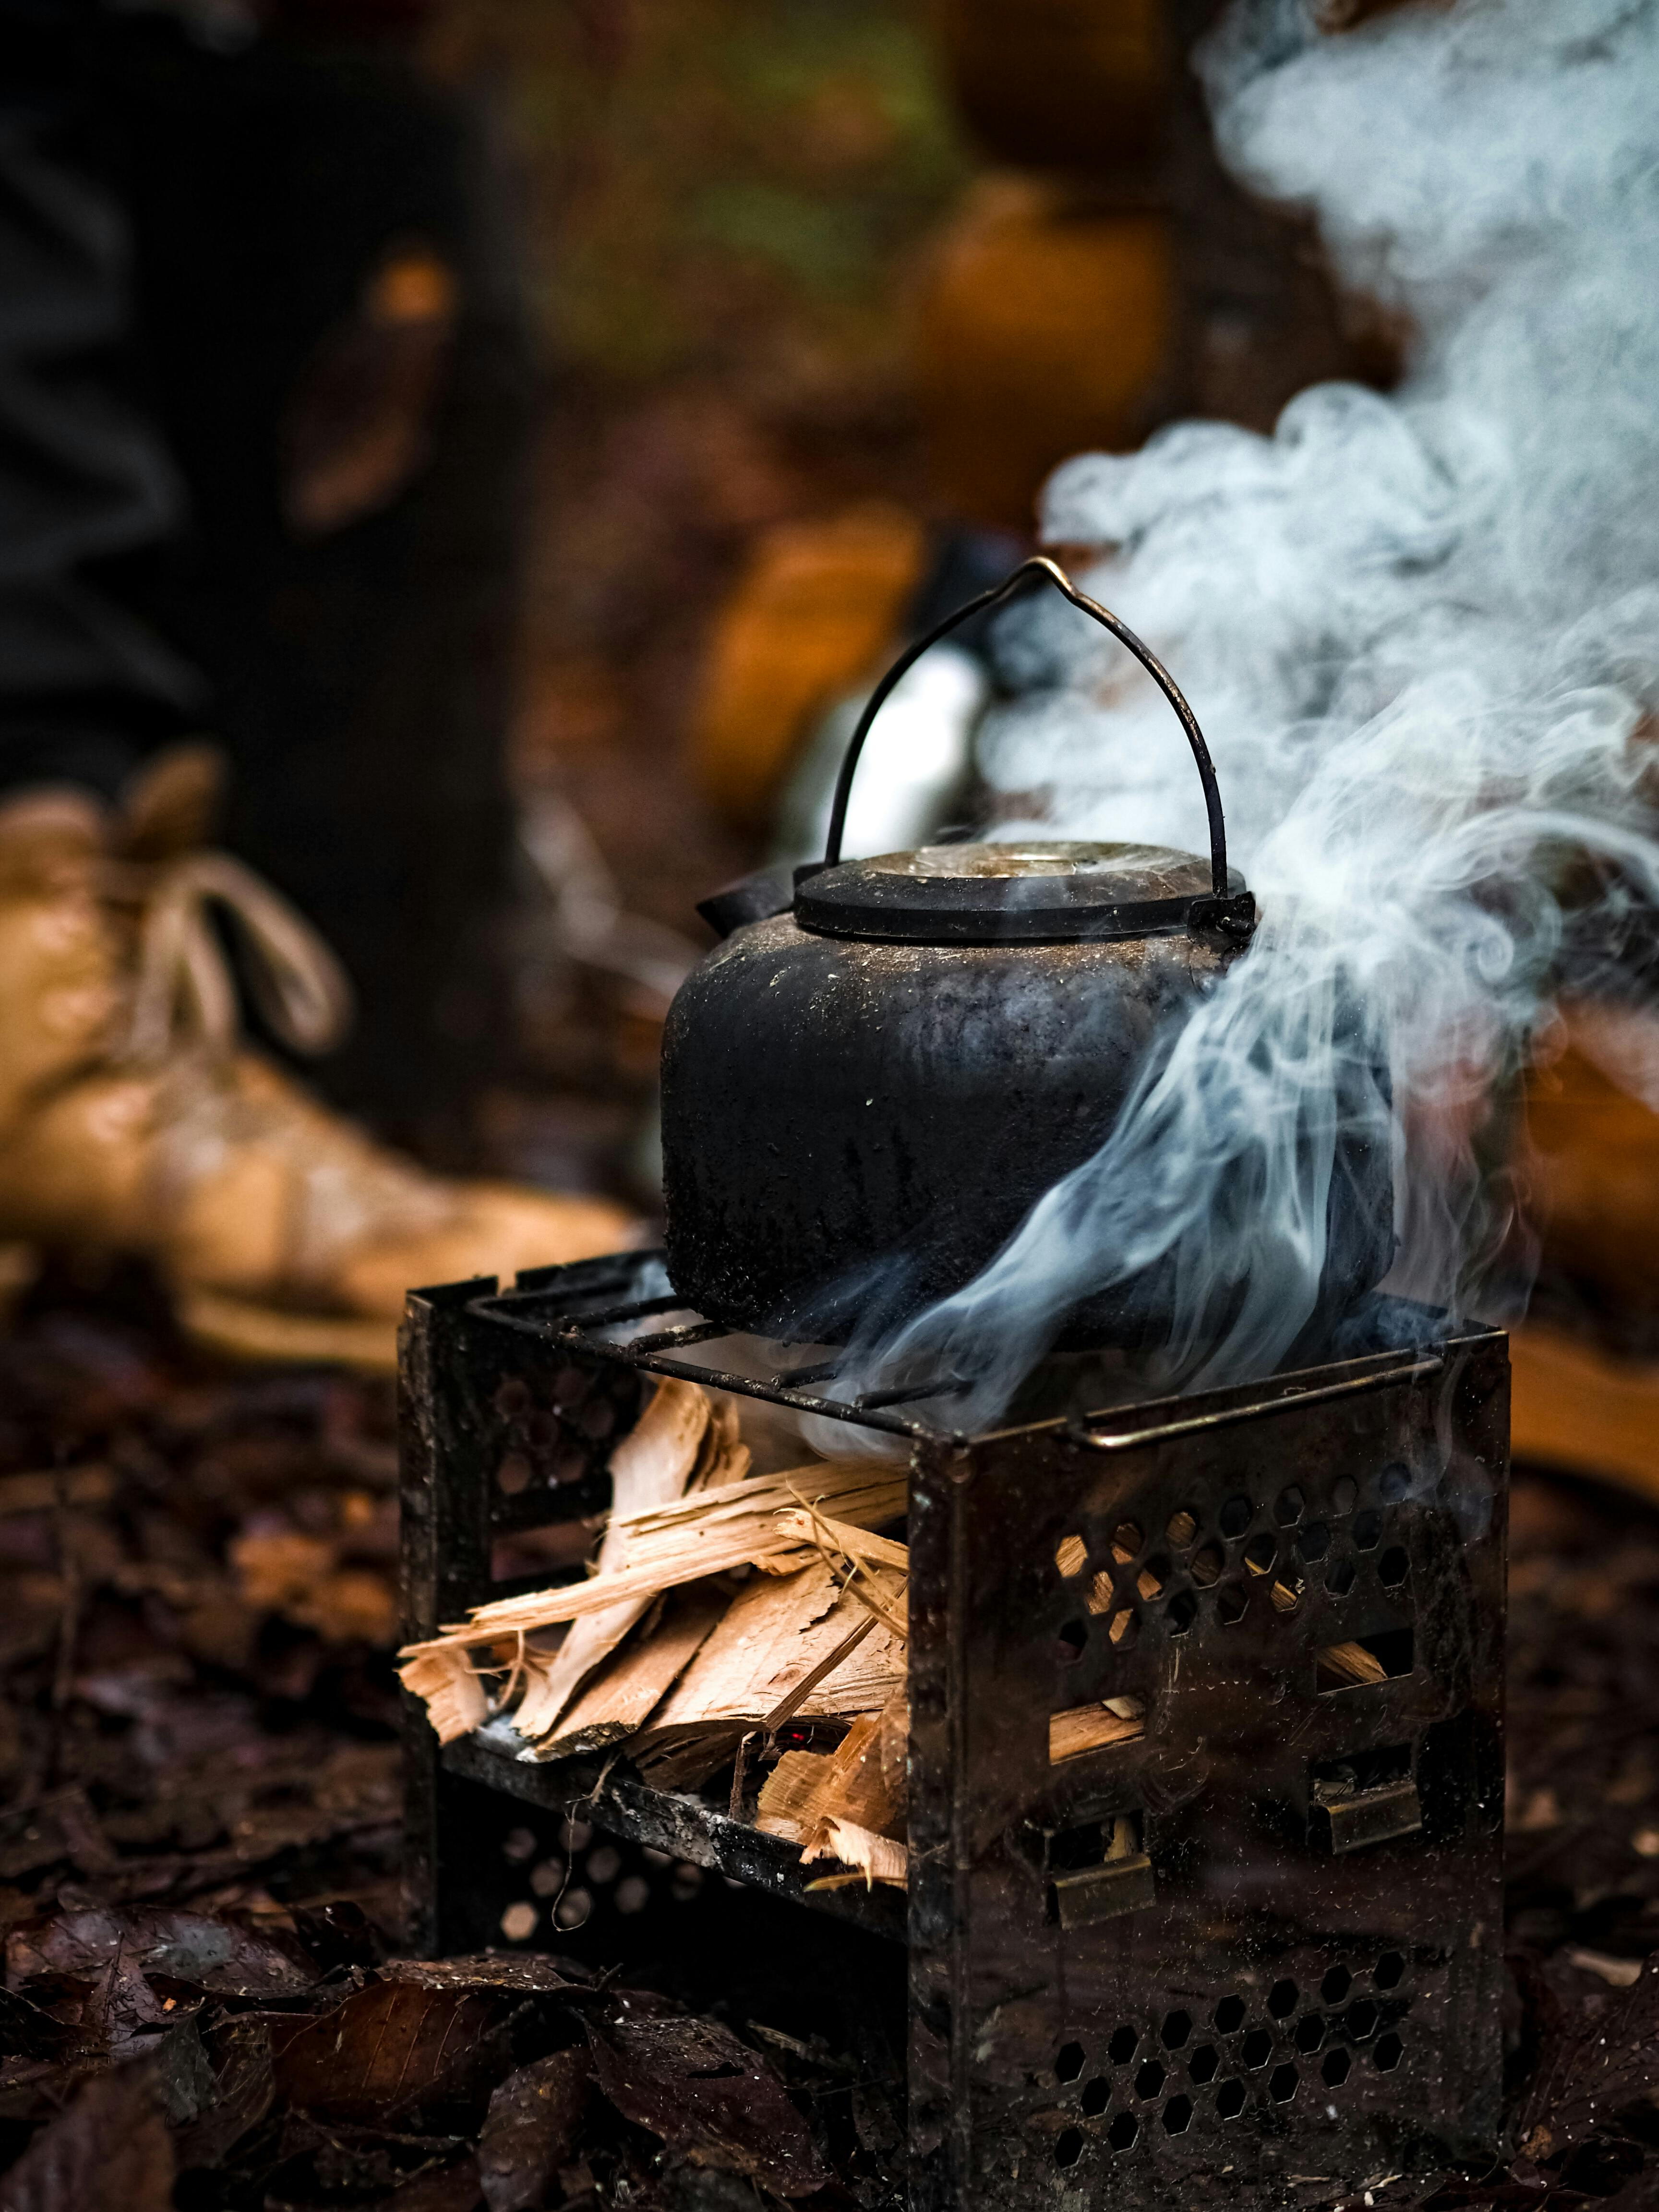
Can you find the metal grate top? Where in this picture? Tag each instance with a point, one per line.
(620, 1301)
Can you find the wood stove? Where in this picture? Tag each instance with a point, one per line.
(1257, 1942)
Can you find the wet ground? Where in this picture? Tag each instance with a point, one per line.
(206, 2001)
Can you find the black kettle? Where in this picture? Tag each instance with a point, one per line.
(867, 1087)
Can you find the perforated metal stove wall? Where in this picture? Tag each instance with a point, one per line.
(1259, 1945)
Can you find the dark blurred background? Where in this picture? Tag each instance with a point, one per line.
(573, 404)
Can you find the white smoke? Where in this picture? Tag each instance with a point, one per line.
(1421, 634)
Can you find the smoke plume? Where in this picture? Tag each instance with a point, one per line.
(1422, 634)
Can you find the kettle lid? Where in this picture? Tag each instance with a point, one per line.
(1035, 892)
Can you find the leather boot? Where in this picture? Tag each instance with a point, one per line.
(133, 1118)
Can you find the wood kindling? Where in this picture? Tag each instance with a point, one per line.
(861, 1781)
(872, 1858)
(711, 1531)
(456, 1700)
(1095, 1727)
(865, 1556)
(1352, 1663)
(653, 1464)
(623, 1693)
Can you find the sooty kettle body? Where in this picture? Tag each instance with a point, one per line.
(865, 1094)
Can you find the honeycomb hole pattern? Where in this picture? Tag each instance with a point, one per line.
(1068, 2147)
(1182, 1529)
(1151, 1579)
(1289, 1507)
(1296, 2035)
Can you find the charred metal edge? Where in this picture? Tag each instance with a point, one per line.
(570, 1335)
(1079, 1432)
(668, 1821)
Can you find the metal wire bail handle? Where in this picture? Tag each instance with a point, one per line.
(1040, 565)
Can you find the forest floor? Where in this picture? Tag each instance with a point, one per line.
(208, 2002)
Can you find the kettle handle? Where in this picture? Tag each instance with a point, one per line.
(1038, 565)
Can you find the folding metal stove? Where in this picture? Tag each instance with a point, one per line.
(1257, 1947)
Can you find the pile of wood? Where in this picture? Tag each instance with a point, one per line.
(723, 1607)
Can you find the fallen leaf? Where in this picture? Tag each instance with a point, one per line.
(245, 2084)
(529, 1971)
(389, 2048)
(27, 2030)
(530, 2130)
(107, 2151)
(211, 1954)
(1592, 2066)
(705, 2093)
(451, 2188)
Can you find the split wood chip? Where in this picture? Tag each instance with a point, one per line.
(789, 1796)
(732, 1525)
(455, 1701)
(872, 1858)
(863, 1555)
(1352, 1663)
(775, 1632)
(1093, 1728)
(620, 1695)
(854, 1783)
(651, 1465)
(723, 1456)
(856, 1545)
(753, 1514)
